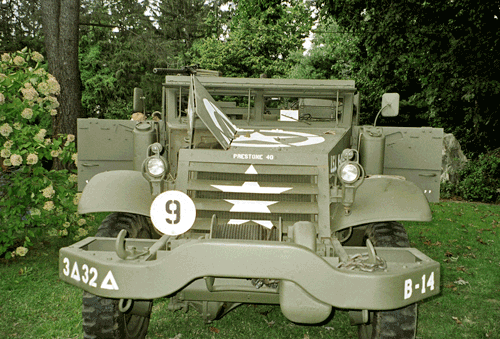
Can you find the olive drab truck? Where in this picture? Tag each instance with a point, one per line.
(260, 191)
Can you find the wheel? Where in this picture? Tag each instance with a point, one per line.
(400, 323)
(101, 316)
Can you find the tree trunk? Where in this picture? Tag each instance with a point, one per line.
(60, 20)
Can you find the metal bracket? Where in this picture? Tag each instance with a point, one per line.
(372, 255)
(339, 250)
(124, 254)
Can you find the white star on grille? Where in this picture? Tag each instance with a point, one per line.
(253, 206)
(252, 187)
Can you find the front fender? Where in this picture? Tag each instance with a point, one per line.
(116, 191)
(382, 198)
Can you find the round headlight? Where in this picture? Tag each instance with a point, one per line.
(155, 167)
(349, 173)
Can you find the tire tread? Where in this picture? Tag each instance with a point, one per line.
(394, 324)
(101, 317)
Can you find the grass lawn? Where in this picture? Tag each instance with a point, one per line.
(463, 237)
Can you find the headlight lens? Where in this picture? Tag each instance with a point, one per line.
(155, 167)
(349, 173)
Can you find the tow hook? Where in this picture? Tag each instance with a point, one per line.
(136, 307)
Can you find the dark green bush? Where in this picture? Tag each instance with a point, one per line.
(479, 180)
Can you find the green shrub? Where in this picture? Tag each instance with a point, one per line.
(479, 180)
(34, 200)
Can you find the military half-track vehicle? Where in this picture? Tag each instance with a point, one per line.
(260, 191)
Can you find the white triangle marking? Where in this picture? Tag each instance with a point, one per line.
(75, 273)
(251, 170)
(109, 282)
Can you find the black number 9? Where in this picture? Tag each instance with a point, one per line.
(176, 212)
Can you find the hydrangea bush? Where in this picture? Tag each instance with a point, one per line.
(34, 199)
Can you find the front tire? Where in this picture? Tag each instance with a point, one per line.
(394, 324)
(101, 316)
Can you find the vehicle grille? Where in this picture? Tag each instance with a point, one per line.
(268, 194)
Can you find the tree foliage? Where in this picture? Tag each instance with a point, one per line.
(331, 55)
(441, 56)
(20, 25)
(261, 37)
(120, 45)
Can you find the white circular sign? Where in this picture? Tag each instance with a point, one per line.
(173, 212)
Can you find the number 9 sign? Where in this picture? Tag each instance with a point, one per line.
(173, 212)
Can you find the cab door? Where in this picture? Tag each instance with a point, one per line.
(104, 145)
(415, 153)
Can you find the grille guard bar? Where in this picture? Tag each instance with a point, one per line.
(93, 265)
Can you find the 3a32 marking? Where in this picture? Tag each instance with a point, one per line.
(88, 275)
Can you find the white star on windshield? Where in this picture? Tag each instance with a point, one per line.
(252, 187)
(257, 136)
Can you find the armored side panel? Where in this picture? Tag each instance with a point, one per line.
(415, 153)
(104, 145)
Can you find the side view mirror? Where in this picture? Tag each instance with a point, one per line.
(390, 104)
(138, 105)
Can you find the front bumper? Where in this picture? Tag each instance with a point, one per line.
(93, 265)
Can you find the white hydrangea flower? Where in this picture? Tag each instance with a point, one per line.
(76, 199)
(6, 57)
(5, 130)
(43, 88)
(54, 87)
(27, 113)
(48, 192)
(29, 93)
(70, 138)
(32, 159)
(82, 232)
(5, 153)
(16, 160)
(40, 71)
(49, 205)
(21, 251)
(37, 57)
(55, 153)
(8, 144)
(53, 103)
(18, 60)
(40, 135)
